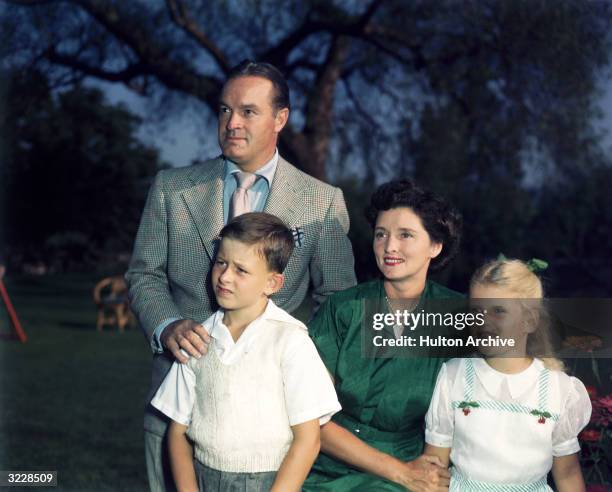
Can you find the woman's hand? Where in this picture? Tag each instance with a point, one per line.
(425, 474)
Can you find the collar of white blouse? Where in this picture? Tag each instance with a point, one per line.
(497, 383)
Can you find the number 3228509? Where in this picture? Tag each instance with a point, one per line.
(30, 478)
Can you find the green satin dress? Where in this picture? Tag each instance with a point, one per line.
(384, 400)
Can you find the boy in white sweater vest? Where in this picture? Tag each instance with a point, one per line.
(251, 408)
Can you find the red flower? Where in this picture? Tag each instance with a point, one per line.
(466, 411)
(589, 435)
(541, 420)
(585, 343)
(592, 391)
(602, 411)
(606, 402)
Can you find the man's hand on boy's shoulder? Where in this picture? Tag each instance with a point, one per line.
(188, 335)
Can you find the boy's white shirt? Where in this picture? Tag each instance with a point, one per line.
(176, 395)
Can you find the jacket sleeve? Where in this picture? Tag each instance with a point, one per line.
(332, 266)
(147, 279)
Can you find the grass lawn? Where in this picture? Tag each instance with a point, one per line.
(71, 398)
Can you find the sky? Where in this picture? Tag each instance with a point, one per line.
(185, 137)
(181, 139)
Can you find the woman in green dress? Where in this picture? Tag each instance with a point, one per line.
(375, 442)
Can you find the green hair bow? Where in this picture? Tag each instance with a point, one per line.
(535, 264)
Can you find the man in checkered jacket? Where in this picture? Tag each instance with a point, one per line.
(168, 277)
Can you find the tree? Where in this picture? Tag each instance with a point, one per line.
(520, 123)
(490, 102)
(76, 175)
(356, 69)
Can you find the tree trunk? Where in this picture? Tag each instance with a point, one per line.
(310, 149)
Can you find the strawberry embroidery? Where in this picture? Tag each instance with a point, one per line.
(543, 415)
(465, 406)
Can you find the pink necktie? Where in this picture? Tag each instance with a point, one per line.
(240, 201)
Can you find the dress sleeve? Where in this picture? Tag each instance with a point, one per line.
(575, 415)
(176, 395)
(439, 420)
(325, 333)
(309, 389)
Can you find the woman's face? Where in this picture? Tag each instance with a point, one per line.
(402, 246)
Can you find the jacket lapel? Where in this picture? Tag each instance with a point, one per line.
(205, 199)
(205, 202)
(286, 193)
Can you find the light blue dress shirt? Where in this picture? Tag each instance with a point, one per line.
(258, 195)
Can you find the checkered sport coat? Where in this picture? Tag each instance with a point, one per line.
(169, 274)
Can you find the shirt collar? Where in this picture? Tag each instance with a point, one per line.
(219, 332)
(518, 384)
(266, 171)
(274, 313)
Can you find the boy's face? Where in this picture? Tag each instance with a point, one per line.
(241, 277)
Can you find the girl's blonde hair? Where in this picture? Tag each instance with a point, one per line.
(516, 277)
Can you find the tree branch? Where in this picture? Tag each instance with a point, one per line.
(353, 27)
(417, 63)
(126, 75)
(360, 109)
(368, 14)
(373, 31)
(318, 127)
(300, 63)
(152, 57)
(180, 16)
(29, 3)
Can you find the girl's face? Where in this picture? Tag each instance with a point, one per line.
(402, 246)
(505, 316)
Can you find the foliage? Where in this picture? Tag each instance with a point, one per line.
(597, 440)
(369, 79)
(76, 175)
(489, 102)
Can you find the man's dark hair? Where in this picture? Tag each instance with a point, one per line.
(440, 219)
(249, 68)
(270, 234)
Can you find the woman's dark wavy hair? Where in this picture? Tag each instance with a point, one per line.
(440, 219)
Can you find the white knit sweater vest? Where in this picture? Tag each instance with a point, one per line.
(239, 421)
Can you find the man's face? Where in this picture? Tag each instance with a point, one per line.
(248, 123)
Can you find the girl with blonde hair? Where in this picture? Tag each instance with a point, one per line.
(505, 419)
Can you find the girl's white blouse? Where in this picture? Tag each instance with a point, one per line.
(496, 442)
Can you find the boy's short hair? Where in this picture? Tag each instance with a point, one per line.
(270, 234)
